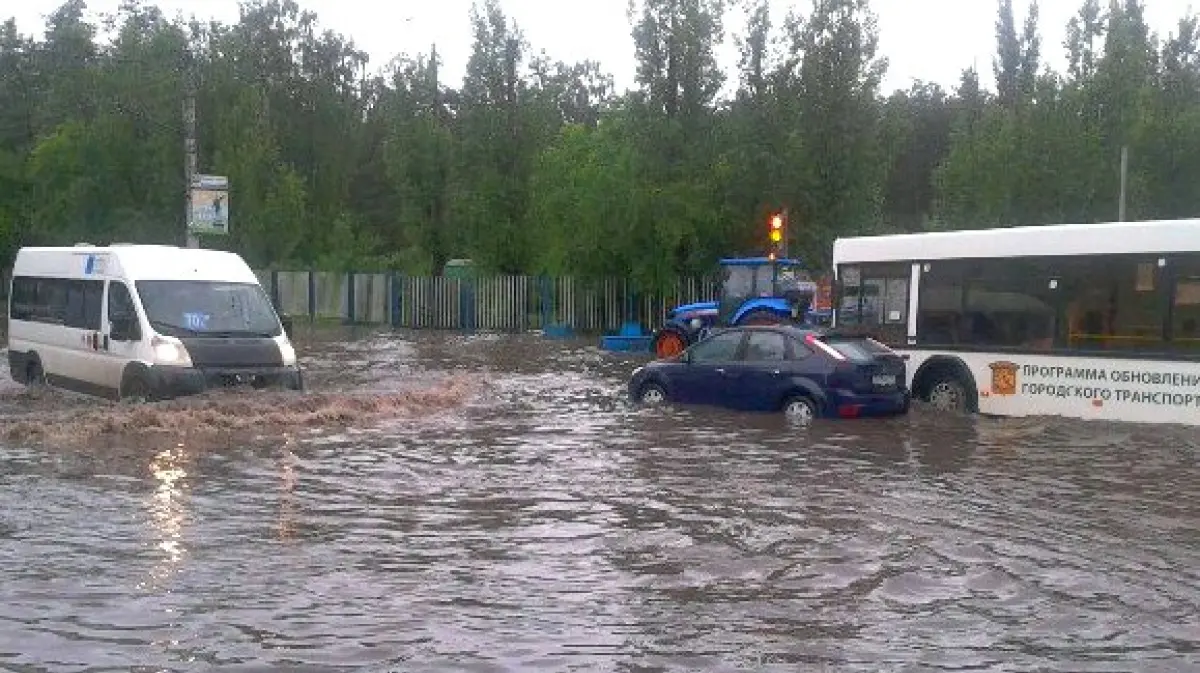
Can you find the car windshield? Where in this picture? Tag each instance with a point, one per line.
(188, 308)
(858, 349)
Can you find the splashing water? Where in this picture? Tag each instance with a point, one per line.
(224, 414)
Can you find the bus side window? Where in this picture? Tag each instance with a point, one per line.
(999, 303)
(1013, 303)
(1185, 307)
(1116, 303)
(940, 304)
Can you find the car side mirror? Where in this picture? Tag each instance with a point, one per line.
(286, 322)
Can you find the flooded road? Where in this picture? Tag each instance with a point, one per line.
(451, 503)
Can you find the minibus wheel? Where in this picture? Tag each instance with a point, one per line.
(136, 390)
(35, 377)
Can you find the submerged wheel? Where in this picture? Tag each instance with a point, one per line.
(800, 409)
(35, 377)
(135, 390)
(652, 395)
(947, 393)
(669, 343)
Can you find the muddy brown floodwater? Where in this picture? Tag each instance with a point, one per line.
(441, 502)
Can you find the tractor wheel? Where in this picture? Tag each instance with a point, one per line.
(669, 343)
(761, 316)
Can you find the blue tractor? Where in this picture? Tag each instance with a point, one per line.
(754, 291)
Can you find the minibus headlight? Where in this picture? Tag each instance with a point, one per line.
(170, 352)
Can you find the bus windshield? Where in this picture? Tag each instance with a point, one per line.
(208, 308)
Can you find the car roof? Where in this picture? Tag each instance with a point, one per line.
(799, 331)
(795, 330)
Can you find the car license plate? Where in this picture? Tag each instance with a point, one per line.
(883, 380)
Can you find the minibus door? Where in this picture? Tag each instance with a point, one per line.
(121, 335)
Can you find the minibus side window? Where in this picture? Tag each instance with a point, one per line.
(120, 308)
(83, 304)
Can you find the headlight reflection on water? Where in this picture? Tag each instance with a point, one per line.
(287, 493)
(167, 510)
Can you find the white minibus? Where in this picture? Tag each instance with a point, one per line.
(1094, 321)
(143, 322)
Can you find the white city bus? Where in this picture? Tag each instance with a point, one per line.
(1094, 321)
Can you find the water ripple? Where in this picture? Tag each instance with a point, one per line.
(534, 521)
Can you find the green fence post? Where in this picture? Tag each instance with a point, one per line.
(394, 300)
(312, 296)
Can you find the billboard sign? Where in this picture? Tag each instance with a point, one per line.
(209, 212)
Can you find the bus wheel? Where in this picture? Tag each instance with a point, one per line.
(669, 343)
(947, 393)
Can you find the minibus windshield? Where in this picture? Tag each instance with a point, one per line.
(208, 308)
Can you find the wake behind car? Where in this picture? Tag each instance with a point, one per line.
(806, 373)
(143, 322)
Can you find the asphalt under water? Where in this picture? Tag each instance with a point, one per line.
(450, 503)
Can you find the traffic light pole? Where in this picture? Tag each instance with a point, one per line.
(783, 243)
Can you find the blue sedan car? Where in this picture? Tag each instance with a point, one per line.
(806, 373)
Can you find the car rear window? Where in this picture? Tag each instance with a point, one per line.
(859, 349)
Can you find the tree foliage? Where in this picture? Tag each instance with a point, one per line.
(537, 166)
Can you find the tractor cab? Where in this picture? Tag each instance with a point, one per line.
(761, 290)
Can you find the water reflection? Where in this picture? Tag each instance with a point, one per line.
(540, 523)
(168, 512)
(287, 488)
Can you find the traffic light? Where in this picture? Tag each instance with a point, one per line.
(777, 235)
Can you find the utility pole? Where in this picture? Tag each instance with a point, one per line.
(1124, 179)
(189, 148)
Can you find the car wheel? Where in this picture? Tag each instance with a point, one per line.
(947, 394)
(800, 409)
(652, 395)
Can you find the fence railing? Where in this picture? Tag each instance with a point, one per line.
(490, 303)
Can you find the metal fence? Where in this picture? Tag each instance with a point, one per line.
(490, 303)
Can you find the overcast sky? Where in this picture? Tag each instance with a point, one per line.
(932, 40)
